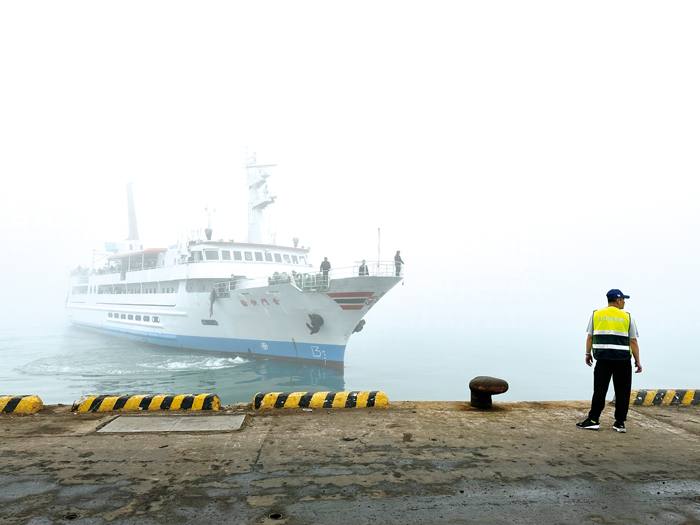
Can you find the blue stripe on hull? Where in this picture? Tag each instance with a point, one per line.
(333, 354)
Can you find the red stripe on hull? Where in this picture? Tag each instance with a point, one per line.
(351, 306)
(350, 294)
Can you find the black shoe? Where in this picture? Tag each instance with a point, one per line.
(619, 426)
(590, 424)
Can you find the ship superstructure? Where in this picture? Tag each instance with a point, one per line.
(253, 298)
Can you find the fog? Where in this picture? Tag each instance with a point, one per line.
(524, 157)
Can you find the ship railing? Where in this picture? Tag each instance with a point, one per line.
(312, 281)
(307, 282)
(369, 269)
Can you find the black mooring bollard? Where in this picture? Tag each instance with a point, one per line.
(483, 387)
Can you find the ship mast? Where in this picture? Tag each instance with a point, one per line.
(259, 197)
(131, 209)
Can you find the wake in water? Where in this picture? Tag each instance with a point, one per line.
(109, 364)
(65, 364)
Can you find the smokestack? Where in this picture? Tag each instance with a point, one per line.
(133, 228)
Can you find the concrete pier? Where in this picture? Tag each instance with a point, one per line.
(414, 462)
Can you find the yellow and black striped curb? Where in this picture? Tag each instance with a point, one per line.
(664, 397)
(20, 404)
(320, 400)
(146, 402)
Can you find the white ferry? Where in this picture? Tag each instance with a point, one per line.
(252, 298)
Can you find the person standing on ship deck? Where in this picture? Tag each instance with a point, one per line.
(325, 267)
(612, 341)
(398, 262)
(363, 269)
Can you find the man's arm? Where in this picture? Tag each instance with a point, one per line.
(589, 347)
(635, 354)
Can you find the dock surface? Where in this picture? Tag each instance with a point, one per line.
(414, 462)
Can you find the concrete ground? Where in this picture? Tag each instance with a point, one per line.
(436, 462)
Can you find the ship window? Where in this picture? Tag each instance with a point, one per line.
(248, 256)
(109, 314)
(147, 318)
(226, 255)
(130, 318)
(258, 256)
(210, 322)
(123, 316)
(156, 319)
(295, 260)
(278, 257)
(236, 256)
(286, 257)
(302, 259)
(197, 256)
(137, 318)
(268, 257)
(211, 255)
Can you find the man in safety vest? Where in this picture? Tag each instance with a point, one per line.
(612, 341)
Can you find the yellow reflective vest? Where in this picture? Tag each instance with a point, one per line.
(611, 334)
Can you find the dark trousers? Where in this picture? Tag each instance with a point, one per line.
(621, 373)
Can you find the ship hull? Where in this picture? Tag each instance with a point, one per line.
(330, 355)
(262, 322)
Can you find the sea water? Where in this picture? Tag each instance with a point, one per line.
(47, 356)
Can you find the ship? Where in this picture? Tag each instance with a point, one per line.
(253, 298)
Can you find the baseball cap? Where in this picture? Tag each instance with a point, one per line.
(615, 294)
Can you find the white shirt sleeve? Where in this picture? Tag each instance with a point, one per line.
(633, 329)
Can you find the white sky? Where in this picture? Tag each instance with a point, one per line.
(523, 156)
